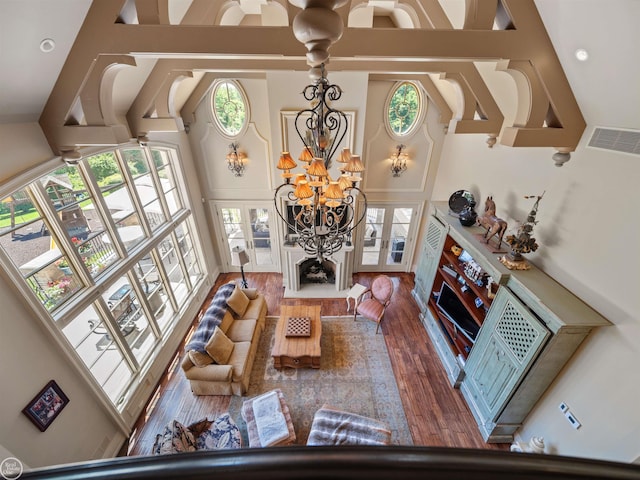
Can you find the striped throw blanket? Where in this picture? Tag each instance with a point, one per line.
(211, 318)
(336, 427)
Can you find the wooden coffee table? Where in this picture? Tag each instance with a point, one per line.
(293, 351)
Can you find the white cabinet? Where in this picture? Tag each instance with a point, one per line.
(527, 332)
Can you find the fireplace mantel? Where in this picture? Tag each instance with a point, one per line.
(294, 256)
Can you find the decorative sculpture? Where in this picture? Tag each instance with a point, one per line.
(523, 242)
(493, 224)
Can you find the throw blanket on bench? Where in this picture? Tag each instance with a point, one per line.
(270, 422)
(211, 318)
(336, 427)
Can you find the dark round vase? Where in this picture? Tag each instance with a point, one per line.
(468, 217)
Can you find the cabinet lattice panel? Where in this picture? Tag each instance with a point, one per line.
(434, 234)
(517, 332)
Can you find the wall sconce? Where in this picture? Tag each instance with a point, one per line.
(235, 160)
(399, 161)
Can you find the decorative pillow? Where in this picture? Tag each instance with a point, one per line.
(238, 301)
(227, 321)
(197, 428)
(176, 438)
(251, 293)
(223, 434)
(219, 347)
(200, 359)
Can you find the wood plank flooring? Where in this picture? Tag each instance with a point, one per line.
(436, 413)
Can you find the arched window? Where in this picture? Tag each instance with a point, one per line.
(230, 108)
(404, 108)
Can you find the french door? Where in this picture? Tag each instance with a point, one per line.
(248, 226)
(387, 239)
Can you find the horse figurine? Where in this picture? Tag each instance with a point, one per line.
(493, 224)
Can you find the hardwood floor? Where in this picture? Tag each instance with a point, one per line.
(436, 413)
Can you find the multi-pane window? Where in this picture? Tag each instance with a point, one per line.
(403, 109)
(114, 221)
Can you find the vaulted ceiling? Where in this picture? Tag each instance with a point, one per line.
(139, 66)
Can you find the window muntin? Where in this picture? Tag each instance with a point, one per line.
(114, 339)
(229, 106)
(404, 109)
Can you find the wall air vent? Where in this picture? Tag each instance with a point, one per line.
(624, 141)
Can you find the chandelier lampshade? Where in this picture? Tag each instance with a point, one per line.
(355, 165)
(303, 190)
(317, 168)
(306, 155)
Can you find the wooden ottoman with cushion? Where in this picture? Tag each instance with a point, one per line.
(336, 427)
(268, 420)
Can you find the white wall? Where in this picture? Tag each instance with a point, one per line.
(588, 236)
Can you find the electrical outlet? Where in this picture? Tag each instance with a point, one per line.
(563, 407)
(572, 420)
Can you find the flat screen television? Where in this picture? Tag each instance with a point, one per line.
(452, 308)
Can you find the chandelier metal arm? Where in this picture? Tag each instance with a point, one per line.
(325, 127)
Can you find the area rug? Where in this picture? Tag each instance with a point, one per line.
(355, 375)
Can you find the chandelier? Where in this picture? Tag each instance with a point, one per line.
(319, 211)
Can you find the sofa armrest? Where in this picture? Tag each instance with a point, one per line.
(210, 373)
(187, 363)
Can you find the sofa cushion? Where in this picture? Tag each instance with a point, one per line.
(200, 359)
(227, 321)
(219, 347)
(238, 301)
(175, 438)
(242, 330)
(238, 360)
(256, 308)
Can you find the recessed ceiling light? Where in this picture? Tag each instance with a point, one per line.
(582, 54)
(47, 45)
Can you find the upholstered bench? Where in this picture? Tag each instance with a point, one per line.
(268, 420)
(336, 427)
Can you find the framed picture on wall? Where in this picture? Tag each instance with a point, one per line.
(46, 406)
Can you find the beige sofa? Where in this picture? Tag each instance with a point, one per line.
(222, 350)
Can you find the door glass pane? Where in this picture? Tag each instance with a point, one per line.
(261, 235)
(232, 220)
(372, 243)
(399, 232)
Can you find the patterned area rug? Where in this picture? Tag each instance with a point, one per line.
(355, 374)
